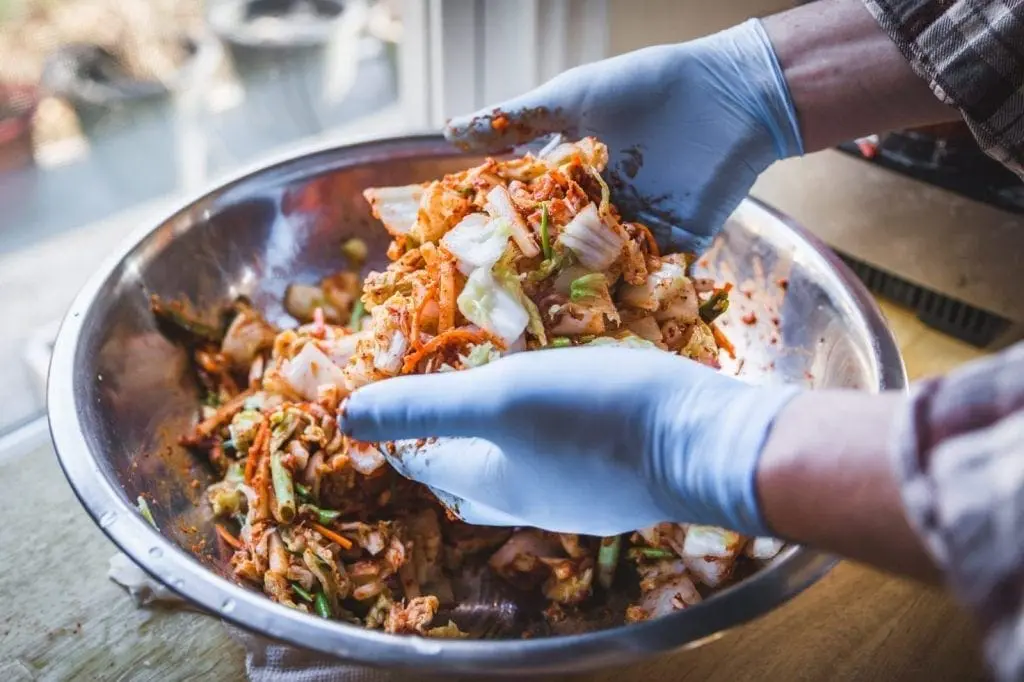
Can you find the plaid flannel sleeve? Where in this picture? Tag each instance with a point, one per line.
(972, 54)
(959, 453)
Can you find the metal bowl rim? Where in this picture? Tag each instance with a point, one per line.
(789, 575)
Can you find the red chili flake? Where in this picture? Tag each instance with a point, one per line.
(774, 340)
(749, 318)
(809, 376)
(783, 282)
(776, 321)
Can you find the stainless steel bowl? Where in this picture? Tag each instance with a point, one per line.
(119, 393)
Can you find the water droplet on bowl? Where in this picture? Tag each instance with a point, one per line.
(107, 519)
(156, 552)
(178, 584)
(228, 606)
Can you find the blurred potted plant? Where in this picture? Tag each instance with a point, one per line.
(17, 107)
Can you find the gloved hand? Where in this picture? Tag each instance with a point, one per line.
(597, 440)
(689, 127)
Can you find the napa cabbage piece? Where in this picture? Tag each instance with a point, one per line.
(646, 327)
(595, 244)
(477, 241)
(575, 320)
(684, 308)
(625, 341)
(243, 429)
(396, 207)
(309, 370)
(591, 293)
(499, 206)
(340, 349)
(764, 548)
(365, 458)
(588, 286)
(605, 207)
(701, 345)
(589, 151)
(227, 496)
(388, 357)
(441, 208)
(507, 277)
(662, 285)
(665, 589)
(489, 305)
(479, 355)
(710, 553)
(422, 213)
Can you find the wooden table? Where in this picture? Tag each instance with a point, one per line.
(63, 620)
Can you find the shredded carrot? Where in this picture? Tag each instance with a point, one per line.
(343, 541)
(723, 341)
(652, 245)
(228, 537)
(208, 362)
(449, 337)
(224, 414)
(446, 295)
(255, 450)
(727, 287)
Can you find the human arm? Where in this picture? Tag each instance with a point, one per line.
(605, 440)
(600, 441)
(689, 127)
(826, 479)
(846, 76)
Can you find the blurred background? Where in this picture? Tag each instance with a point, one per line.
(112, 111)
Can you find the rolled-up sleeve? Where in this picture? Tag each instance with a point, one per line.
(959, 452)
(971, 52)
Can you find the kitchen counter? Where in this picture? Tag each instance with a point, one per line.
(63, 619)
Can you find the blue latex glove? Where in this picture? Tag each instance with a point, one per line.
(689, 127)
(592, 440)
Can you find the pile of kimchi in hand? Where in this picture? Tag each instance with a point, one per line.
(510, 256)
